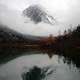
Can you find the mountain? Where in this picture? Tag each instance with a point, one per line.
(9, 35)
(37, 14)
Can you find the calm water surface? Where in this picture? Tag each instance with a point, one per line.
(13, 69)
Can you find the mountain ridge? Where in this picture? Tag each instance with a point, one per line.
(8, 34)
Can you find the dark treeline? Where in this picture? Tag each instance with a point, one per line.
(68, 45)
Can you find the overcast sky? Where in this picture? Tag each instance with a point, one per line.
(66, 12)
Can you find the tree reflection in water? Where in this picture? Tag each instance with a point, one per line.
(69, 57)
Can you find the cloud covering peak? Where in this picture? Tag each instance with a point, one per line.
(37, 14)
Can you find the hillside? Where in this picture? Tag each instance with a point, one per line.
(9, 36)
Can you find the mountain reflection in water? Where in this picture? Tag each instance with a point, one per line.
(37, 73)
(36, 65)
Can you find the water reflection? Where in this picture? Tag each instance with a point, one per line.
(37, 73)
(68, 57)
(54, 68)
(8, 54)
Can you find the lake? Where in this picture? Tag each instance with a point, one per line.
(55, 68)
